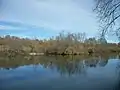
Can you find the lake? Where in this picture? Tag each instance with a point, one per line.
(60, 73)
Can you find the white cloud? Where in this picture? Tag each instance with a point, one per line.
(70, 15)
(3, 27)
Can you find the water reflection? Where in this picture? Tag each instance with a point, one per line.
(69, 72)
(65, 65)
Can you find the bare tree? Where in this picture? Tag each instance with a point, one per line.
(108, 12)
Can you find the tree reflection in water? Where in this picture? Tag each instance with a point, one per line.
(69, 65)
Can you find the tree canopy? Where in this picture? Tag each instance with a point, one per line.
(108, 12)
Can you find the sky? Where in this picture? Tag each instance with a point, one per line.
(46, 18)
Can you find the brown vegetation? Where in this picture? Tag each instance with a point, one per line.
(63, 44)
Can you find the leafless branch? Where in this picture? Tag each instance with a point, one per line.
(108, 12)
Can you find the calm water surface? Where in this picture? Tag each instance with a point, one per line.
(59, 73)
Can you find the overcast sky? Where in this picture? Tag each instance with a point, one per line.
(45, 18)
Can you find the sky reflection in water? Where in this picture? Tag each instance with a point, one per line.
(51, 73)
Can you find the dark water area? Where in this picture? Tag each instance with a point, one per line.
(59, 73)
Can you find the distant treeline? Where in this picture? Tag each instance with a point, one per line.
(63, 44)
